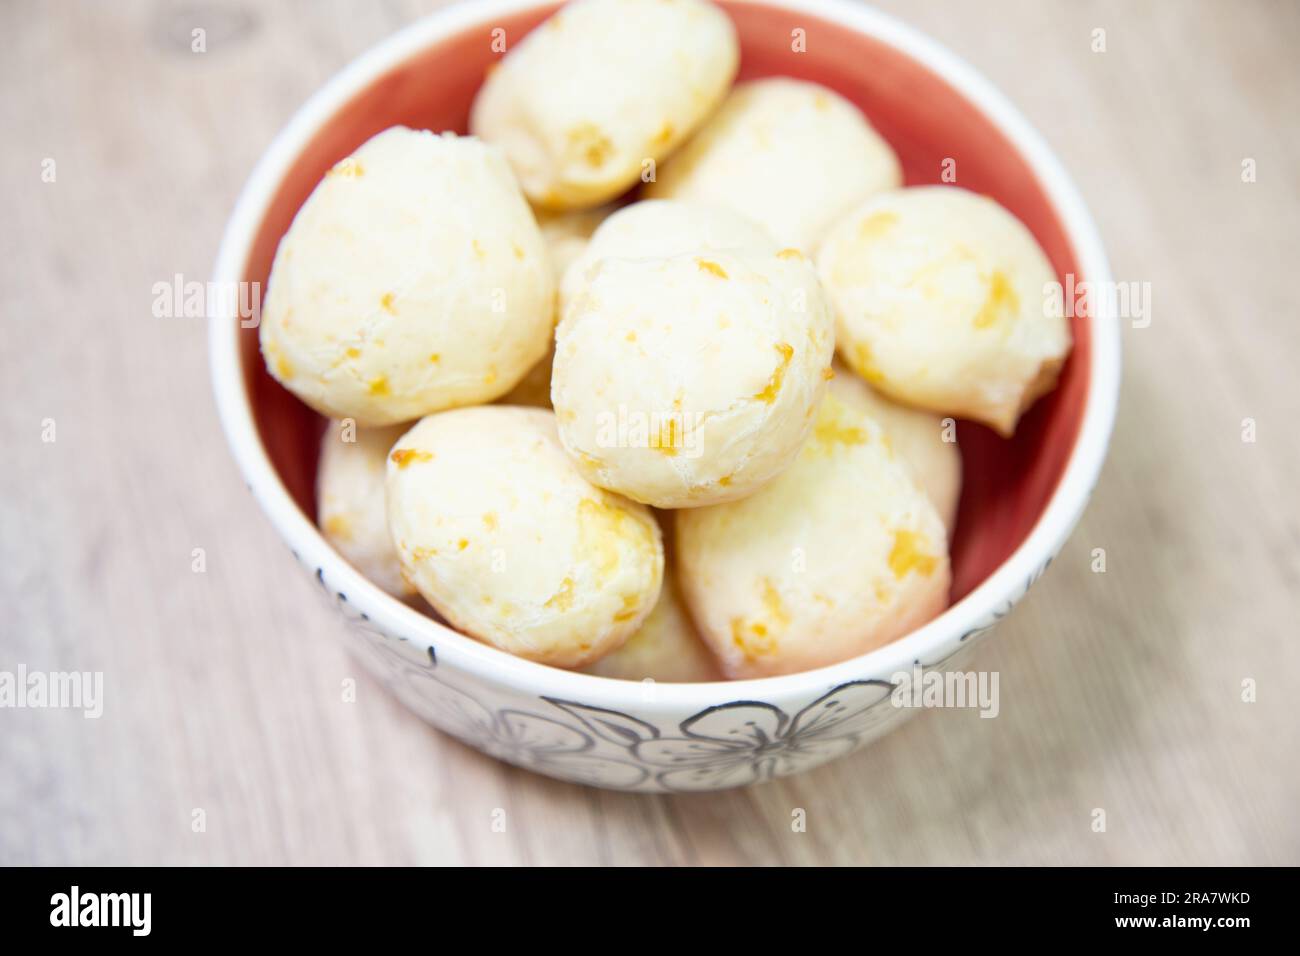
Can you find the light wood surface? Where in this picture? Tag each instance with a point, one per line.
(1120, 691)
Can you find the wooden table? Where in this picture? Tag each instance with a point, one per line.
(1121, 691)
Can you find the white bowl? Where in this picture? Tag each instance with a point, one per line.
(641, 736)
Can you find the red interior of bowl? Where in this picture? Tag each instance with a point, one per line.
(1007, 484)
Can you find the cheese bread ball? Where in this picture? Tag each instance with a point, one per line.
(667, 648)
(413, 279)
(658, 228)
(943, 300)
(840, 554)
(792, 155)
(498, 531)
(691, 380)
(590, 98)
(350, 502)
(918, 437)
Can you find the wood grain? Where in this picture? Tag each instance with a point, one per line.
(1120, 690)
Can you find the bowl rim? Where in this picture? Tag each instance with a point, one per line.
(494, 667)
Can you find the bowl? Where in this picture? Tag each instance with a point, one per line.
(1020, 500)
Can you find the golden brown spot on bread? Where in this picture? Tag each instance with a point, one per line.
(562, 599)
(828, 373)
(758, 637)
(631, 605)
(347, 167)
(665, 134)
(404, 456)
(789, 254)
(864, 363)
(876, 225)
(352, 352)
(379, 386)
(711, 267)
(490, 521)
(752, 640)
(386, 303)
(772, 601)
(589, 142)
(909, 554)
(665, 439)
(769, 393)
(338, 526)
(837, 425)
(462, 544)
(1001, 301)
(435, 358)
(603, 527)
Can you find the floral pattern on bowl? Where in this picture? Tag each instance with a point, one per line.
(734, 744)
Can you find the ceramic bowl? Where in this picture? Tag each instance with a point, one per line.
(1020, 500)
